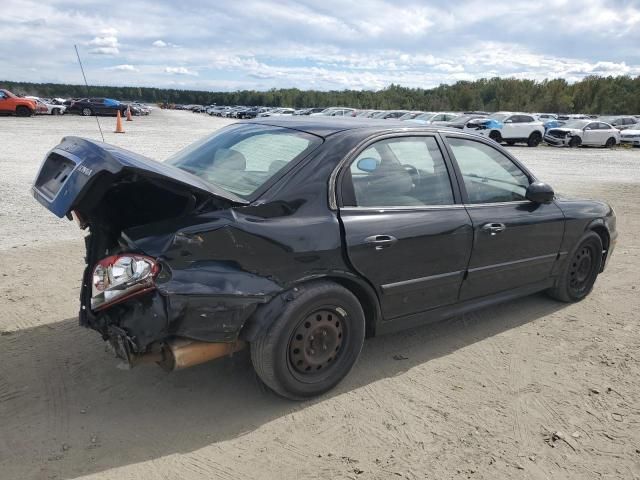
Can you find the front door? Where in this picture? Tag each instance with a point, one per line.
(405, 231)
(516, 241)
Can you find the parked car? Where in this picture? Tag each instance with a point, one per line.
(410, 115)
(458, 122)
(309, 111)
(301, 237)
(97, 106)
(620, 122)
(44, 107)
(509, 127)
(11, 104)
(583, 132)
(631, 135)
(334, 112)
(278, 112)
(390, 114)
(429, 117)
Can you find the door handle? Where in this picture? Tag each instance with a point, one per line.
(493, 228)
(381, 241)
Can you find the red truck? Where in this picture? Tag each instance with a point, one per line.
(11, 104)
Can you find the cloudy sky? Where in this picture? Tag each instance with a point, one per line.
(327, 44)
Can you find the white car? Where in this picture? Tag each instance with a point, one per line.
(631, 135)
(335, 112)
(278, 112)
(433, 117)
(509, 127)
(52, 109)
(583, 132)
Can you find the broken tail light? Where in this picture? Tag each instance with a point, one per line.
(119, 277)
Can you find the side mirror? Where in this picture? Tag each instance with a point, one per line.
(367, 164)
(540, 192)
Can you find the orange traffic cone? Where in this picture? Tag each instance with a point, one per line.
(119, 128)
(129, 113)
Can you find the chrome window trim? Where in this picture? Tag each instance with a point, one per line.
(407, 208)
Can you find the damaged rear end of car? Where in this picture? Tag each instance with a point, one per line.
(153, 287)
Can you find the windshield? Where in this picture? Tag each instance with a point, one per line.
(579, 124)
(499, 116)
(242, 158)
(425, 116)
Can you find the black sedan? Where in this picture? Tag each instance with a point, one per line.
(96, 106)
(302, 236)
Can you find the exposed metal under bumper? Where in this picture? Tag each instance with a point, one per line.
(183, 353)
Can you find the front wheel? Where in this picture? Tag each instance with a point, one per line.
(22, 111)
(580, 270)
(87, 112)
(534, 139)
(495, 136)
(313, 343)
(575, 142)
(611, 142)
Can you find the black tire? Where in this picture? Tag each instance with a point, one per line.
(86, 112)
(22, 111)
(534, 139)
(580, 271)
(575, 142)
(323, 316)
(55, 111)
(611, 142)
(495, 136)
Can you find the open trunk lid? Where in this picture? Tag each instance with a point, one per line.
(78, 165)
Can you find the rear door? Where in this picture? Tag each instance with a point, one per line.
(405, 229)
(516, 241)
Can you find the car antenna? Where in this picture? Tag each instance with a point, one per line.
(87, 85)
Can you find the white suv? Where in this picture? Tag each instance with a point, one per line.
(509, 127)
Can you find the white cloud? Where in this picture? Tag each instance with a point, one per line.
(180, 71)
(324, 44)
(123, 68)
(106, 43)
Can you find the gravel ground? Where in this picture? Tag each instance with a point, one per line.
(529, 389)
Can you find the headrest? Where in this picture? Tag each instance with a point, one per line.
(230, 159)
(390, 178)
(276, 165)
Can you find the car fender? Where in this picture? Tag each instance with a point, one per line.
(258, 324)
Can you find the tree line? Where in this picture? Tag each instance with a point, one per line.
(593, 94)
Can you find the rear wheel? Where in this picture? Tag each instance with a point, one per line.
(575, 142)
(534, 139)
(580, 271)
(611, 142)
(495, 136)
(313, 343)
(22, 111)
(87, 112)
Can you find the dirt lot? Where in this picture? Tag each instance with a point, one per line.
(482, 396)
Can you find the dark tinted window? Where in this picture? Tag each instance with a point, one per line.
(242, 158)
(489, 175)
(401, 172)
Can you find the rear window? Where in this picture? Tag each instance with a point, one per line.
(242, 158)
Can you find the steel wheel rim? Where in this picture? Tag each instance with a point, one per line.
(581, 269)
(317, 343)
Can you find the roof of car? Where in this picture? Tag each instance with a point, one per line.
(325, 126)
